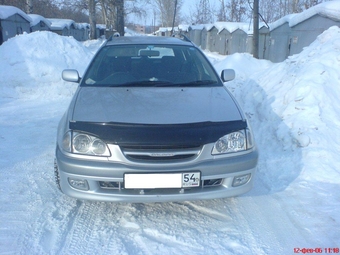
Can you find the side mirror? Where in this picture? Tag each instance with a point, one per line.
(228, 75)
(70, 75)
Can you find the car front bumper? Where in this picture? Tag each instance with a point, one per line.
(217, 177)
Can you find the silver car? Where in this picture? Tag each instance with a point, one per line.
(151, 121)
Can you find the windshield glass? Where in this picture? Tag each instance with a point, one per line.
(150, 65)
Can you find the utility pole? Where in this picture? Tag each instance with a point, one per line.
(173, 21)
(256, 29)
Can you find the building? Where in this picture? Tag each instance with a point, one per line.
(39, 23)
(13, 21)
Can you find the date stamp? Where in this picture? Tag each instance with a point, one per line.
(316, 250)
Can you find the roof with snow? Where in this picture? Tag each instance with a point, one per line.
(183, 27)
(83, 25)
(7, 11)
(328, 9)
(61, 23)
(233, 26)
(167, 29)
(220, 26)
(101, 26)
(197, 27)
(37, 18)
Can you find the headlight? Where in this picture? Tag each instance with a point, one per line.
(237, 141)
(81, 143)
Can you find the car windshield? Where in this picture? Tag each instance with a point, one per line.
(150, 65)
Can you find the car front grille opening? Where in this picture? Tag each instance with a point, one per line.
(159, 158)
(212, 182)
(160, 153)
(110, 185)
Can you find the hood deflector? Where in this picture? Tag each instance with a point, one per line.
(129, 134)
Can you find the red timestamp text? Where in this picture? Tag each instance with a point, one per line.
(317, 250)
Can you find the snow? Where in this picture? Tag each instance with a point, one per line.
(293, 107)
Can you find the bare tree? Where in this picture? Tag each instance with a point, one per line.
(113, 14)
(204, 13)
(109, 13)
(238, 10)
(266, 9)
(166, 10)
(74, 9)
(17, 3)
(222, 12)
(29, 6)
(136, 7)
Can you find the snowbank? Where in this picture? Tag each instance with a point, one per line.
(299, 98)
(31, 65)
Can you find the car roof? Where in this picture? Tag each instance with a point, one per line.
(126, 40)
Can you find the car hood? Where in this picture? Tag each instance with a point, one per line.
(155, 105)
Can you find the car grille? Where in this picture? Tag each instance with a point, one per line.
(160, 153)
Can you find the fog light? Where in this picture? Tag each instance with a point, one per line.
(240, 180)
(78, 184)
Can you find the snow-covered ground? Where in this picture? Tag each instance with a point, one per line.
(294, 109)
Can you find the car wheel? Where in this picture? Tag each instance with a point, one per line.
(56, 175)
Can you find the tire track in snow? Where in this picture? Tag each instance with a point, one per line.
(81, 232)
(43, 228)
(206, 211)
(266, 225)
(185, 228)
(16, 212)
(98, 227)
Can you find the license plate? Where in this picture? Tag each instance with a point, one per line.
(162, 181)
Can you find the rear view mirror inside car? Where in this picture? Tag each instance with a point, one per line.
(149, 53)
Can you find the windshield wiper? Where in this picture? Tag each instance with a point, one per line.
(198, 83)
(145, 83)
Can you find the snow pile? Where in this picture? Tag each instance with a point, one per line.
(31, 65)
(295, 102)
(309, 89)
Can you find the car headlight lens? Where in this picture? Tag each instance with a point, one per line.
(237, 141)
(80, 143)
(98, 147)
